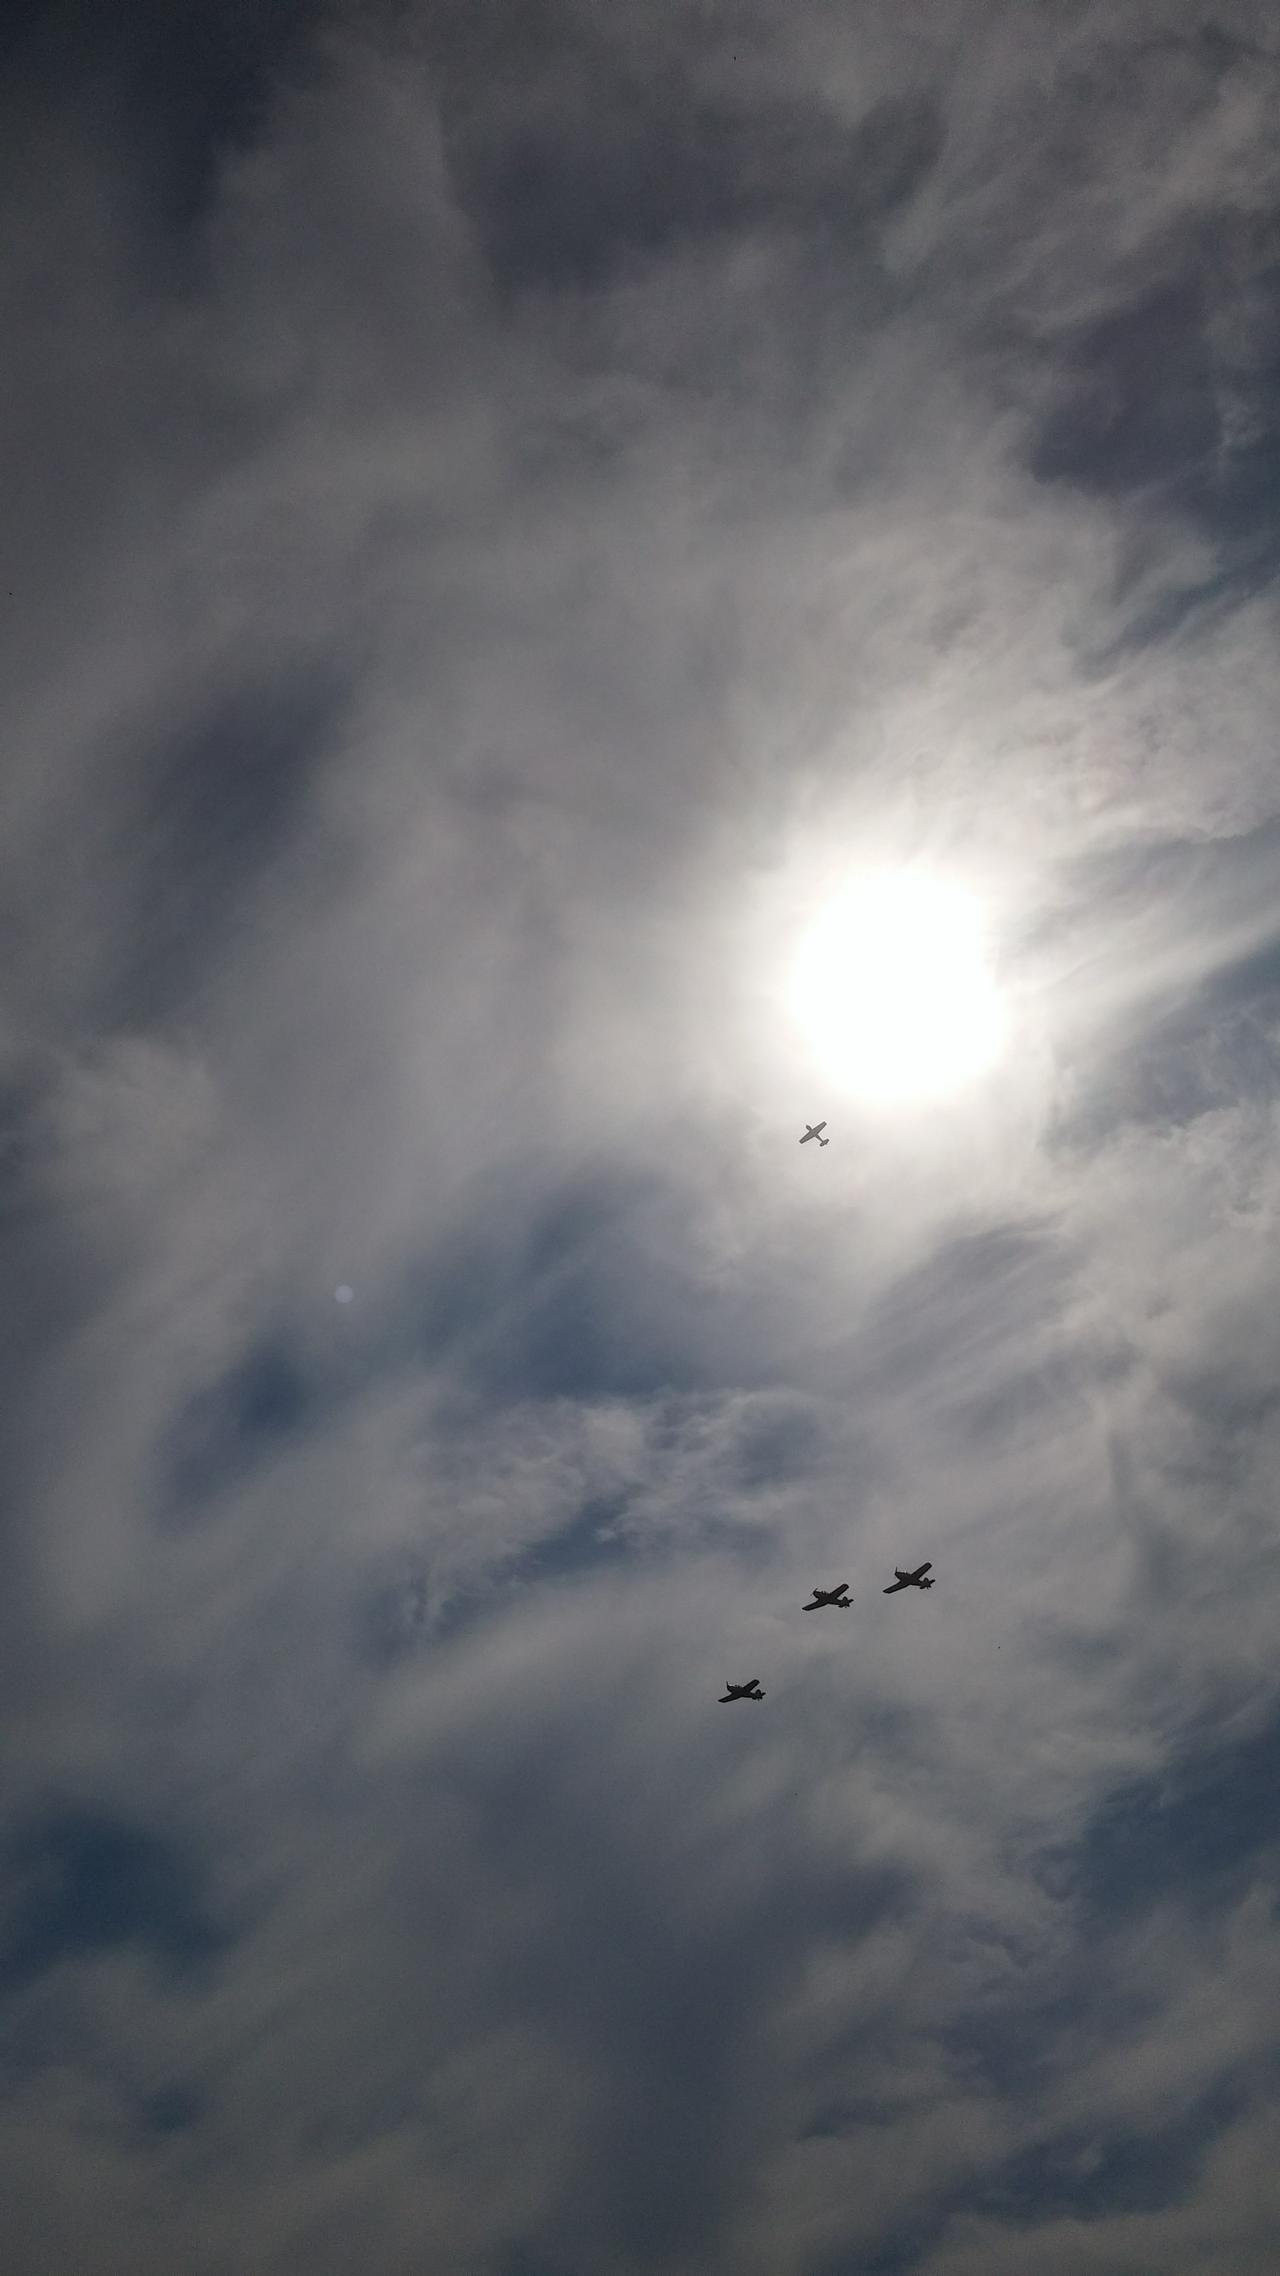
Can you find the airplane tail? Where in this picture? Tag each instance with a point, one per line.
(824, 1141)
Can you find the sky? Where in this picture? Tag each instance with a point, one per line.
(581, 588)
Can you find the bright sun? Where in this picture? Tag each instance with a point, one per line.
(893, 987)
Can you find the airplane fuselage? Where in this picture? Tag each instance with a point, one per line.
(909, 1580)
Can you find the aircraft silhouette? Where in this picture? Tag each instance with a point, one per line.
(815, 1130)
(749, 1690)
(836, 1596)
(910, 1580)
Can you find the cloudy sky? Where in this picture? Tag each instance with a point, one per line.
(581, 587)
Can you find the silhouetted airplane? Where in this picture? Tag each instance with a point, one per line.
(910, 1580)
(835, 1595)
(815, 1130)
(749, 1690)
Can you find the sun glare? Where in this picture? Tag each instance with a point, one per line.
(893, 987)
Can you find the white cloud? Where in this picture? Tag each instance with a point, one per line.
(646, 601)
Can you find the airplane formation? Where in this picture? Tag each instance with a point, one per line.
(837, 1598)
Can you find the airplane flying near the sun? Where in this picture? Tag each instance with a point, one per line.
(910, 1580)
(837, 1596)
(749, 1690)
(815, 1130)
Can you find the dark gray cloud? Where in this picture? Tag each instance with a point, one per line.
(87, 1880)
(504, 511)
(1202, 1822)
(171, 95)
(619, 174)
(215, 804)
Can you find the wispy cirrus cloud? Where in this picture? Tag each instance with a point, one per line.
(501, 517)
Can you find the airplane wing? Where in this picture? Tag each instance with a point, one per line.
(924, 1568)
(894, 1586)
(818, 1129)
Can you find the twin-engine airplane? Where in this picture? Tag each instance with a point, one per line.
(910, 1580)
(815, 1130)
(749, 1690)
(838, 1596)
